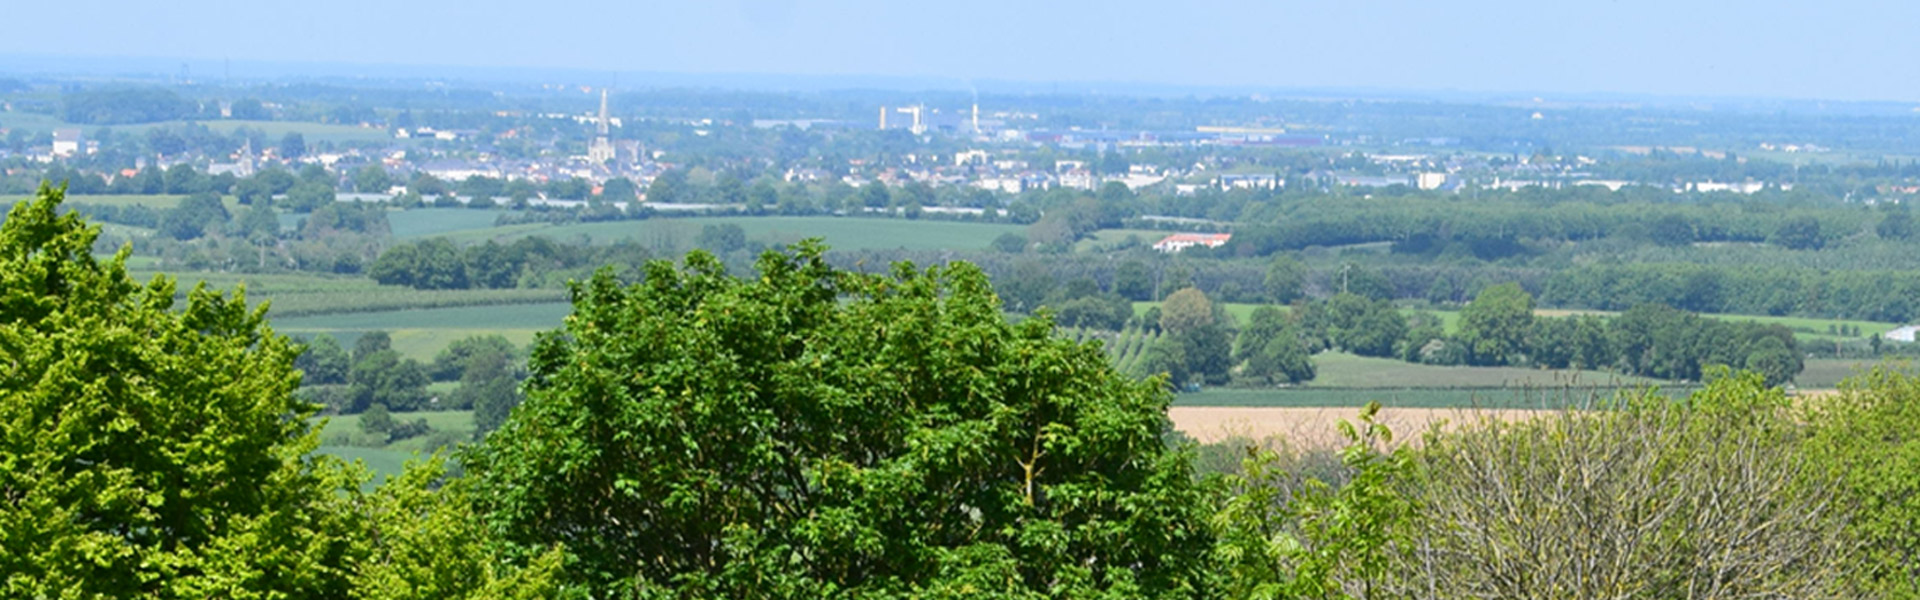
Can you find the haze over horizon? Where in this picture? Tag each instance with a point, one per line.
(1852, 50)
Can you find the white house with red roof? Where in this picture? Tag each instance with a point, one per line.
(1183, 241)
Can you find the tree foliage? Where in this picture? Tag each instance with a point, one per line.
(148, 450)
(812, 432)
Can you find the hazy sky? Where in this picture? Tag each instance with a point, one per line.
(1837, 49)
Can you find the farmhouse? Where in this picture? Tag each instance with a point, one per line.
(1183, 241)
(1903, 334)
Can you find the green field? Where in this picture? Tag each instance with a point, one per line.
(341, 436)
(429, 222)
(423, 333)
(1827, 373)
(840, 232)
(1343, 370)
(148, 200)
(295, 295)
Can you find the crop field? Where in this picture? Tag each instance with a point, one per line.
(308, 294)
(839, 232)
(148, 200)
(1343, 370)
(421, 334)
(1317, 428)
(429, 222)
(1828, 373)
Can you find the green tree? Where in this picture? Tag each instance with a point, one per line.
(726, 237)
(308, 197)
(1186, 310)
(1133, 281)
(458, 357)
(1361, 326)
(1271, 350)
(1287, 535)
(1286, 280)
(293, 145)
(620, 189)
(811, 432)
(1862, 440)
(323, 362)
(1798, 233)
(146, 449)
(1011, 243)
(1496, 323)
(372, 179)
(385, 377)
(491, 387)
(426, 541)
(669, 187)
(193, 216)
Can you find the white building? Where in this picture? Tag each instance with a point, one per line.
(1904, 333)
(1183, 241)
(67, 142)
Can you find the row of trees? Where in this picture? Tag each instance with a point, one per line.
(1886, 296)
(811, 432)
(1498, 327)
(438, 264)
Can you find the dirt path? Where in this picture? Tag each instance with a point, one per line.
(1318, 427)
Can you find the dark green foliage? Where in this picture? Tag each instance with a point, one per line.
(384, 377)
(323, 362)
(1271, 350)
(1897, 225)
(120, 106)
(1801, 233)
(721, 238)
(461, 355)
(814, 433)
(1286, 280)
(1011, 243)
(194, 215)
(1355, 324)
(1660, 341)
(1495, 324)
(308, 197)
(1133, 282)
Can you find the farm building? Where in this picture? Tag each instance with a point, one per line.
(1183, 241)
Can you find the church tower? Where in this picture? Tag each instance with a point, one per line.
(601, 151)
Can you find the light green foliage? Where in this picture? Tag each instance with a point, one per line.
(1495, 324)
(424, 540)
(148, 450)
(1282, 535)
(1864, 439)
(1186, 310)
(812, 433)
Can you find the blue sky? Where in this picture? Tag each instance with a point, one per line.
(1832, 49)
